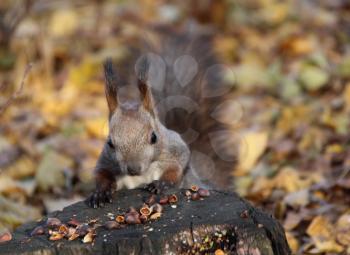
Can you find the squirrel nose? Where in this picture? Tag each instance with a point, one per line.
(134, 170)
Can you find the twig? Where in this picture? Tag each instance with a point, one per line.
(18, 91)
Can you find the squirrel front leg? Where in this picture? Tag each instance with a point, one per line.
(106, 171)
(172, 175)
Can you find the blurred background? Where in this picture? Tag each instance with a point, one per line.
(291, 66)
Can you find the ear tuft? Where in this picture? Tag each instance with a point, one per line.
(111, 83)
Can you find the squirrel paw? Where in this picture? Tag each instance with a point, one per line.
(99, 197)
(157, 187)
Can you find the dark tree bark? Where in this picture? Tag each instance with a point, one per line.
(221, 221)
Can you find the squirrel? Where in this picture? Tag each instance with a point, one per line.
(147, 144)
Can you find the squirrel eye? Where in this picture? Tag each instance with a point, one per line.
(153, 138)
(110, 143)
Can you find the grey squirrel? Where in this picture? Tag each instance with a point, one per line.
(144, 146)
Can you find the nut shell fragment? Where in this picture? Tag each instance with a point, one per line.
(132, 218)
(74, 235)
(188, 193)
(89, 237)
(55, 236)
(172, 198)
(82, 230)
(111, 224)
(194, 188)
(53, 222)
(145, 210)
(155, 216)
(63, 229)
(163, 200)
(156, 208)
(203, 192)
(195, 196)
(39, 230)
(5, 237)
(73, 222)
(120, 219)
(143, 218)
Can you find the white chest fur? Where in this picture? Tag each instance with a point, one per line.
(153, 173)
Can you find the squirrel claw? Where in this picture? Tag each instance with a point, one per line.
(98, 198)
(157, 187)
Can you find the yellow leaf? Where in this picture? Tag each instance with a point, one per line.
(97, 127)
(251, 148)
(334, 148)
(23, 167)
(275, 13)
(63, 23)
(343, 229)
(321, 232)
(262, 187)
(293, 242)
(83, 73)
(292, 117)
(287, 179)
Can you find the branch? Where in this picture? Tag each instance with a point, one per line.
(18, 91)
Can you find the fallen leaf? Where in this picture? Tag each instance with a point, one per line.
(293, 242)
(50, 171)
(313, 77)
(343, 229)
(59, 28)
(322, 234)
(292, 221)
(252, 146)
(298, 198)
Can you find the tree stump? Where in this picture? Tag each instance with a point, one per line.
(222, 221)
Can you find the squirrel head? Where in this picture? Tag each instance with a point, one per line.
(134, 133)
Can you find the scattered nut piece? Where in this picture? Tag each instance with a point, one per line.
(92, 222)
(145, 210)
(163, 200)
(157, 208)
(120, 219)
(132, 218)
(71, 231)
(74, 236)
(172, 198)
(5, 237)
(73, 222)
(203, 192)
(53, 222)
(194, 188)
(55, 236)
(195, 196)
(63, 229)
(83, 229)
(111, 225)
(39, 230)
(144, 218)
(155, 216)
(188, 193)
(89, 237)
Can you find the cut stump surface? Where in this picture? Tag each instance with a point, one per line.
(222, 221)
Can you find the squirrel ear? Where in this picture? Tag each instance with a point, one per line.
(142, 69)
(111, 84)
(146, 96)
